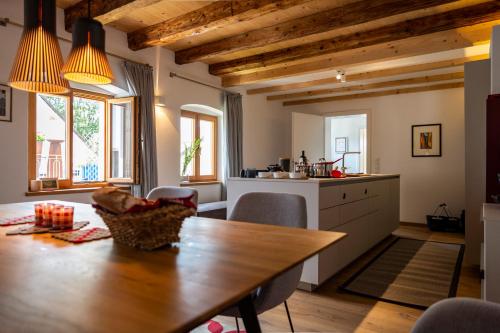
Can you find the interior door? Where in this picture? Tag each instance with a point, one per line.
(308, 134)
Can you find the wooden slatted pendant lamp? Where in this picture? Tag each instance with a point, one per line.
(87, 62)
(38, 63)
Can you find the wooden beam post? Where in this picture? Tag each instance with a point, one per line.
(463, 17)
(376, 94)
(370, 75)
(208, 18)
(105, 11)
(376, 85)
(348, 15)
(437, 42)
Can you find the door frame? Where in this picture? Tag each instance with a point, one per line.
(369, 136)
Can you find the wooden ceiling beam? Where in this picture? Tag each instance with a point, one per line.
(463, 17)
(437, 42)
(375, 94)
(105, 11)
(347, 15)
(376, 85)
(370, 75)
(205, 19)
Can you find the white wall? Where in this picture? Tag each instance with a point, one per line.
(266, 129)
(308, 135)
(425, 182)
(477, 89)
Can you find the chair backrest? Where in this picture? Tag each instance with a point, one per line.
(276, 209)
(173, 192)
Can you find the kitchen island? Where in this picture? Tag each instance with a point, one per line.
(364, 207)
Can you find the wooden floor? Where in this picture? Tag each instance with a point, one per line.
(327, 310)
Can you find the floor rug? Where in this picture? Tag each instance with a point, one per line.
(410, 272)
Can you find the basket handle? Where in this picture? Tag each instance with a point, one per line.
(443, 208)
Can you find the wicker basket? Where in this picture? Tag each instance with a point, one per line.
(147, 230)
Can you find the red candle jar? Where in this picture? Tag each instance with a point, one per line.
(47, 215)
(62, 217)
(39, 214)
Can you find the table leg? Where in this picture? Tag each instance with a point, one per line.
(248, 314)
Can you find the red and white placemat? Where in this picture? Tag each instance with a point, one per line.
(8, 221)
(81, 236)
(33, 229)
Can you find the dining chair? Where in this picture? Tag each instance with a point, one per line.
(173, 192)
(281, 209)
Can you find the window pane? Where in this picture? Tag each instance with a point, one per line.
(51, 114)
(187, 138)
(88, 140)
(121, 140)
(207, 148)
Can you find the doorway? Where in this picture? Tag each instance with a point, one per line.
(346, 136)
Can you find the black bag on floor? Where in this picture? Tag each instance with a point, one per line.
(444, 221)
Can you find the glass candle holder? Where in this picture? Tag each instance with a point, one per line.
(47, 214)
(39, 214)
(62, 217)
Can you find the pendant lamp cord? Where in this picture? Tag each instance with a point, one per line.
(88, 9)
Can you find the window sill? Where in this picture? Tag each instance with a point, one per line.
(201, 182)
(70, 191)
(63, 191)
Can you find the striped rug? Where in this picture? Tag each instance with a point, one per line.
(410, 272)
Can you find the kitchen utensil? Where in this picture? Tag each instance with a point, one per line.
(284, 164)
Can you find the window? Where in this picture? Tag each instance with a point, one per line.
(198, 131)
(82, 139)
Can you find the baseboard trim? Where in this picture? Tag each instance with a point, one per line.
(412, 224)
(307, 286)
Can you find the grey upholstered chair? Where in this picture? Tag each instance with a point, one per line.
(460, 315)
(276, 209)
(173, 192)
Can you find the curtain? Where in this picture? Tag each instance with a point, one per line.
(140, 80)
(233, 113)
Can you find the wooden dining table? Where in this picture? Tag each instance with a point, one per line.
(49, 285)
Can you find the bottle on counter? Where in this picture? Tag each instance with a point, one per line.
(303, 158)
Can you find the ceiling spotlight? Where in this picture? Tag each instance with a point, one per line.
(342, 78)
(339, 75)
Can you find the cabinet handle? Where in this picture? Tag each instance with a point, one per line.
(343, 197)
(366, 191)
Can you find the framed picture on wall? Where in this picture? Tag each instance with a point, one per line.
(426, 140)
(5, 103)
(341, 145)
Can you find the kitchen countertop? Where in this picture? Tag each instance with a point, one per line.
(329, 181)
(491, 212)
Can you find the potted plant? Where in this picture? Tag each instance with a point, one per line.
(40, 138)
(188, 155)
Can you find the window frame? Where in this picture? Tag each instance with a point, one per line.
(197, 117)
(134, 156)
(68, 182)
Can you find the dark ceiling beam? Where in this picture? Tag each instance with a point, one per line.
(335, 18)
(463, 17)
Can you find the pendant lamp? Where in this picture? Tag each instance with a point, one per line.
(38, 63)
(87, 62)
